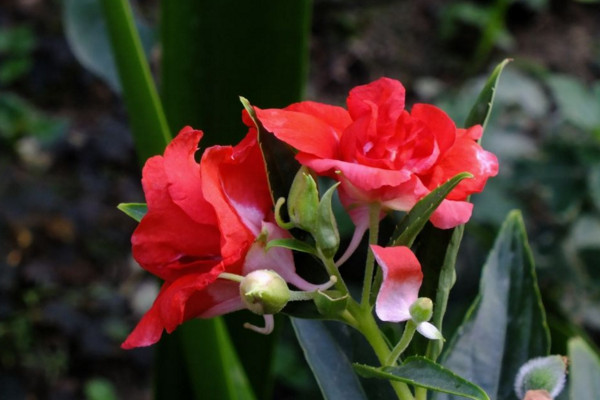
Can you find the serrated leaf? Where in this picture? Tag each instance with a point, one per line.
(584, 371)
(422, 372)
(134, 210)
(482, 108)
(292, 244)
(413, 222)
(330, 365)
(506, 325)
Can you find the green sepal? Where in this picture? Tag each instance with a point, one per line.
(422, 372)
(480, 113)
(134, 210)
(327, 236)
(303, 200)
(413, 222)
(292, 244)
(331, 303)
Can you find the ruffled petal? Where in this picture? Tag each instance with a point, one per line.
(171, 308)
(402, 279)
(385, 95)
(451, 213)
(336, 117)
(304, 132)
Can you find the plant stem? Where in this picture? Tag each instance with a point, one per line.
(409, 332)
(420, 393)
(332, 270)
(368, 327)
(374, 211)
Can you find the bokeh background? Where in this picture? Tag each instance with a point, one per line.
(70, 291)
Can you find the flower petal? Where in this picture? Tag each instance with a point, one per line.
(304, 132)
(429, 331)
(402, 279)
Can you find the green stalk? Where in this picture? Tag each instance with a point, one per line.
(368, 327)
(146, 117)
(407, 335)
(374, 211)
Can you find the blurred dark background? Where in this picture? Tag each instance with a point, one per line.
(69, 289)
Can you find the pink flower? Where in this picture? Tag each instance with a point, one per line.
(204, 219)
(383, 154)
(402, 278)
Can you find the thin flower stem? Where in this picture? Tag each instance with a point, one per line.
(409, 332)
(374, 211)
(332, 270)
(231, 277)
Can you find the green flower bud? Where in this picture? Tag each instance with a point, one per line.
(326, 234)
(541, 374)
(303, 201)
(264, 292)
(421, 310)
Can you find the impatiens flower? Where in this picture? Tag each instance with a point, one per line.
(402, 278)
(381, 153)
(398, 300)
(204, 219)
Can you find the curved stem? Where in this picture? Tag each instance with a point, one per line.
(374, 211)
(368, 327)
(409, 332)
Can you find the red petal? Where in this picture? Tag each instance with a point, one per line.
(336, 117)
(304, 132)
(438, 122)
(385, 95)
(402, 279)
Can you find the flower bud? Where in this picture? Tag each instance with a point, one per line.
(303, 201)
(264, 292)
(541, 374)
(421, 310)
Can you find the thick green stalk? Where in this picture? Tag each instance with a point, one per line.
(368, 327)
(146, 116)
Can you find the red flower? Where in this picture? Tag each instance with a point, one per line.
(382, 153)
(203, 219)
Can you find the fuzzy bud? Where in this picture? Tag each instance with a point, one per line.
(421, 310)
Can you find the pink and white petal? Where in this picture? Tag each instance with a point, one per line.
(303, 132)
(451, 213)
(224, 296)
(402, 278)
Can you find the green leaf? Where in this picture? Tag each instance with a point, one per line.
(215, 358)
(584, 372)
(480, 112)
(134, 210)
(576, 103)
(506, 325)
(292, 244)
(422, 372)
(413, 222)
(280, 163)
(88, 38)
(331, 303)
(327, 360)
(146, 117)
(215, 51)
